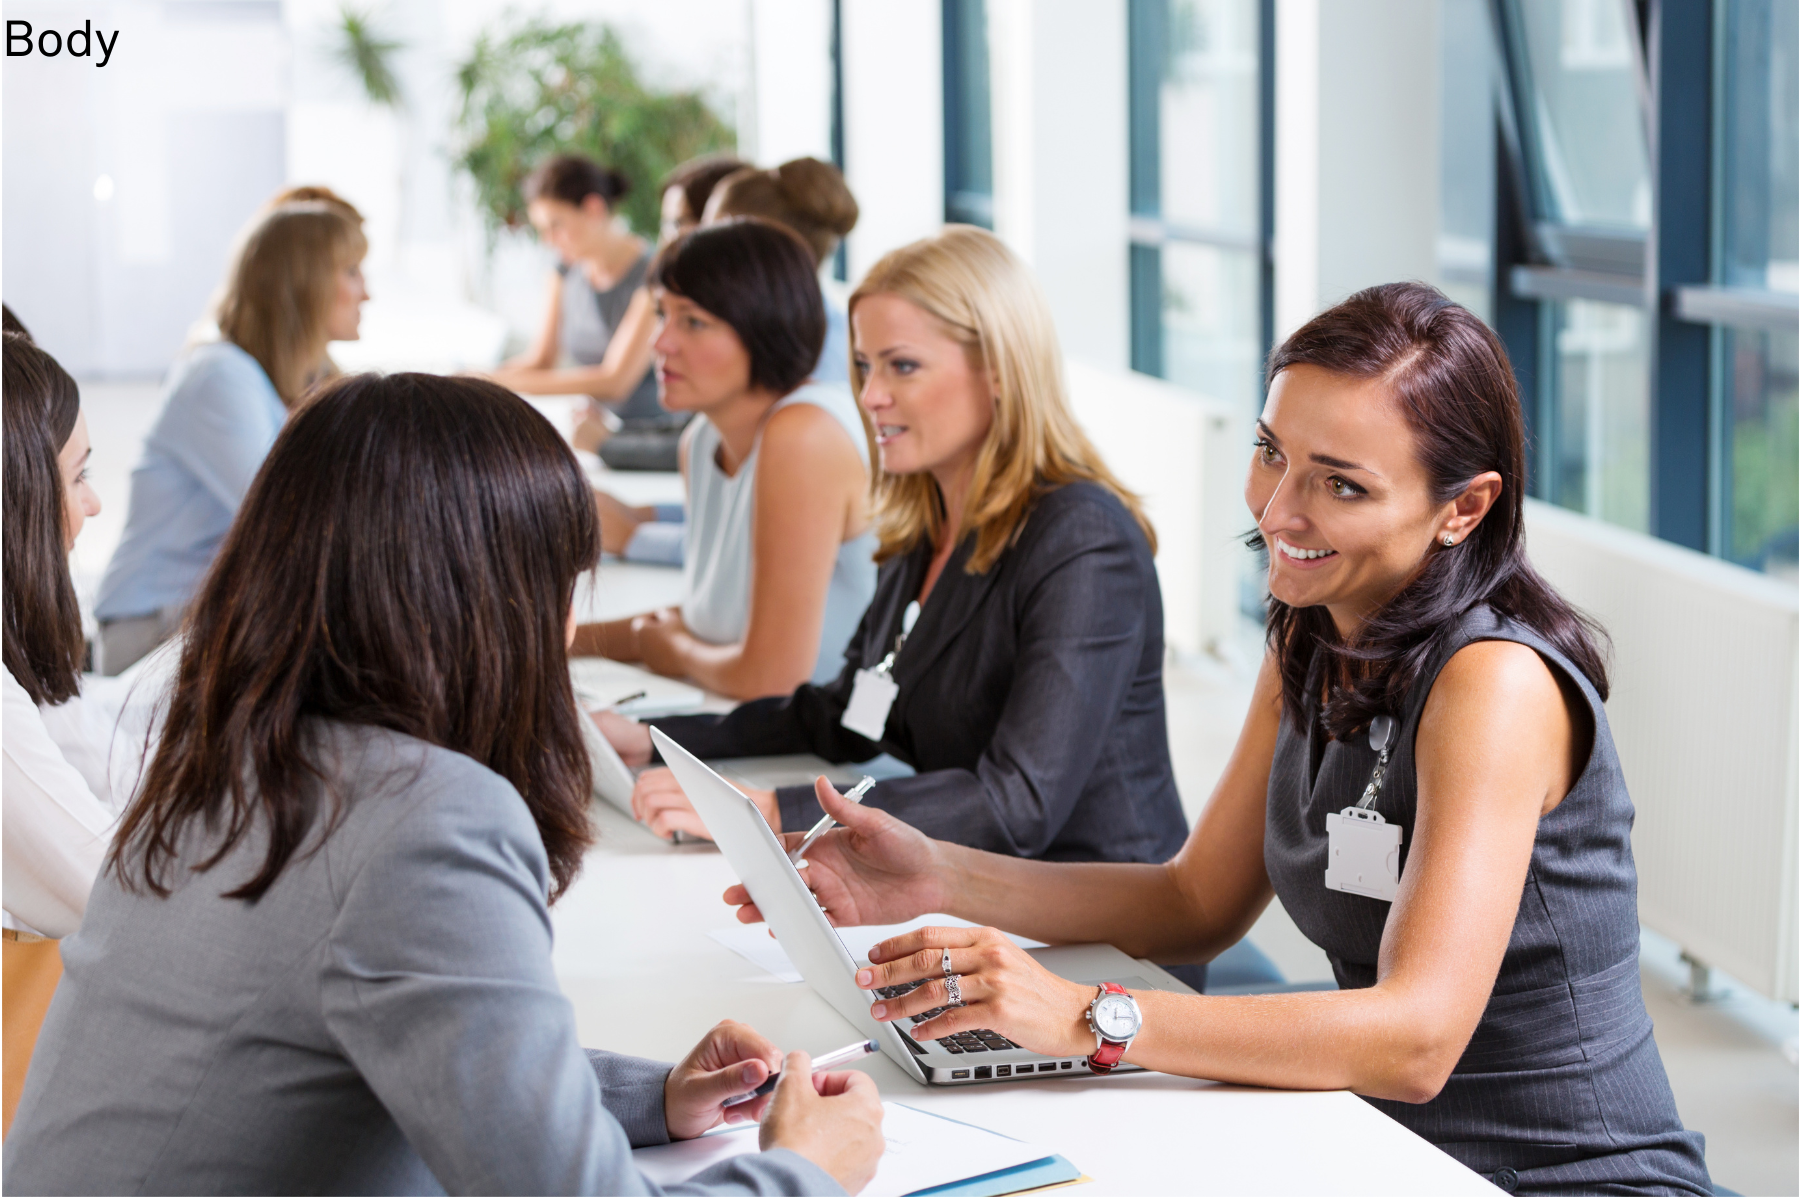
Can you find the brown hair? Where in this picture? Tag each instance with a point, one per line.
(759, 279)
(806, 195)
(572, 178)
(282, 285)
(985, 298)
(405, 559)
(43, 646)
(697, 177)
(302, 193)
(1451, 381)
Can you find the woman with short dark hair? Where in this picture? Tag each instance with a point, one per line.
(1425, 778)
(778, 564)
(57, 797)
(319, 959)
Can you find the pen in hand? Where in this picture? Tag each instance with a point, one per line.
(824, 824)
(824, 1062)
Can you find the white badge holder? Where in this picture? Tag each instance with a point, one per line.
(873, 695)
(1362, 849)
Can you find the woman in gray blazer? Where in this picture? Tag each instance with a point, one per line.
(319, 958)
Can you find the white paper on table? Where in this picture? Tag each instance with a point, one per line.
(754, 943)
(923, 1150)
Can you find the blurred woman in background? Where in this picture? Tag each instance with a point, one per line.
(597, 314)
(55, 793)
(778, 565)
(296, 285)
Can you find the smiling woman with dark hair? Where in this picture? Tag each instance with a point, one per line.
(1425, 778)
(319, 958)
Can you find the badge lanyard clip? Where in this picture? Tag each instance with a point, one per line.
(1363, 850)
(873, 695)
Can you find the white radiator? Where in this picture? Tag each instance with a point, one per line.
(1184, 454)
(1706, 658)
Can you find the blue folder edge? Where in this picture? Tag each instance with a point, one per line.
(1041, 1173)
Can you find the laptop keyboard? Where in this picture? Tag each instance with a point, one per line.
(972, 1041)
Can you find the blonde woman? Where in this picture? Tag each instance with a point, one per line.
(1030, 697)
(295, 286)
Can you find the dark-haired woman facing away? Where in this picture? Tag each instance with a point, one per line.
(779, 562)
(54, 791)
(319, 957)
(1490, 999)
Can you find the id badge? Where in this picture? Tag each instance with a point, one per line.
(870, 701)
(1363, 856)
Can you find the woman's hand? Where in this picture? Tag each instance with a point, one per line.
(659, 802)
(627, 736)
(659, 636)
(1003, 989)
(873, 870)
(833, 1119)
(730, 1060)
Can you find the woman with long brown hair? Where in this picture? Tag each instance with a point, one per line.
(296, 285)
(1425, 778)
(56, 795)
(1012, 653)
(319, 957)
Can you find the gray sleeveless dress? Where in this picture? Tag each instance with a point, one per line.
(1561, 1090)
(589, 320)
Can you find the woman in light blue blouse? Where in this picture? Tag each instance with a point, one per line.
(295, 286)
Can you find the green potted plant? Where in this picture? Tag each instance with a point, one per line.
(536, 88)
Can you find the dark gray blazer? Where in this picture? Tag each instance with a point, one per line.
(1031, 697)
(383, 1020)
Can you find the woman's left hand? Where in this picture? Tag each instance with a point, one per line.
(659, 802)
(659, 635)
(1003, 989)
(730, 1060)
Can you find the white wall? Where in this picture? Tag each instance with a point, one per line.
(893, 123)
(790, 77)
(1356, 150)
(1061, 161)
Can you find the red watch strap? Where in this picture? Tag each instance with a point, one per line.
(1108, 1055)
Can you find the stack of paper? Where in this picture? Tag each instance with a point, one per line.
(926, 1155)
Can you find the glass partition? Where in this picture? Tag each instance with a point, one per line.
(1595, 445)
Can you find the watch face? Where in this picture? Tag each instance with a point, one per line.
(1116, 1017)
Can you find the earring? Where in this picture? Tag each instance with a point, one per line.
(1448, 540)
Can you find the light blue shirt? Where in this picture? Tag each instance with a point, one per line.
(834, 360)
(219, 418)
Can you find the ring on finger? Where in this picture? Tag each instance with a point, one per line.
(953, 987)
(946, 963)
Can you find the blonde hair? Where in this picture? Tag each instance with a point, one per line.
(282, 285)
(986, 299)
(808, 196)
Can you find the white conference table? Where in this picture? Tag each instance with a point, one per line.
(634, 958)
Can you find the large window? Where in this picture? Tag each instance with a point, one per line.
(1199, 223)
(1656, 245)
(968, 116)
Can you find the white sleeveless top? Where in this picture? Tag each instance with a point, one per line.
(716, 606)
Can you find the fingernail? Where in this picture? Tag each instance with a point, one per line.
(880, 1011)
(749, 1073)
(865, 978)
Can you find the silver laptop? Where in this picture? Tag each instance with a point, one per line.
(801, 927)
(613, 780)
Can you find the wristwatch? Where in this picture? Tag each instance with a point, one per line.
(1115, 1019)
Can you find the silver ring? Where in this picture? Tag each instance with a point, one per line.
(953, 985)
(946, 964)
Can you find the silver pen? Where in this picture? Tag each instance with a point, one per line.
(819, 830)
(824, 1062)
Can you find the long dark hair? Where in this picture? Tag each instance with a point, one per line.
(44, 647)
(1451, 380)
(759, 278)
(405, 558)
